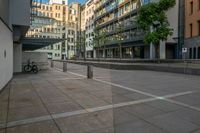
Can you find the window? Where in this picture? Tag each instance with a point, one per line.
(199, 4)
(191, 7)
(199, 26)
(191, 30)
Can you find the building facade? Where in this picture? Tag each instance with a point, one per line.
(123, 39)
(54, 20)
(192, 28)
(89, 27)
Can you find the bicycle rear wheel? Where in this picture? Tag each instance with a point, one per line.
(27, 68)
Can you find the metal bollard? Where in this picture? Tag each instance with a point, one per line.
(89, 72)
(52, 64)
(64, 66)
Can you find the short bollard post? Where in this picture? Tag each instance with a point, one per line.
(52, 64)
(89, 72)
(64, 66)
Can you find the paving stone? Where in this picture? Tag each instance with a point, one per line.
(135, 96)
(63, 107)
(191, 99)
(2, 131)
(120, 116)
(3, 114)
(164, 106)
(117, 98)
(197, 131)
(173, 124)
(119, 91)
(15, 114)
(137, 127)
(188, 115)
(106, 117)
(105, 130)
(88, 101)
(41, 127)
(143, 110)
(79, 124)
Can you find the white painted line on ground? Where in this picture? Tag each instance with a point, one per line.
(88, 110)
(127, 88)
(183, 104)
(64, 78)
(67, 114)
(58, 69)
(29, 121)
(77, 74)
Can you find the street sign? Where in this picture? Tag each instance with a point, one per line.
(184, 50)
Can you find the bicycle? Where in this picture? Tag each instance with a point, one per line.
(31, 67)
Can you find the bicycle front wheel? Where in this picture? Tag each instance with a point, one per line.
(34, 69)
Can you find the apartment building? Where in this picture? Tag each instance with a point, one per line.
(89, 27)
(60, 21)
(124, 39)
(14, 23)
(192, 28)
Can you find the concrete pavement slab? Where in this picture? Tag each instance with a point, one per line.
(143, 111)
(15, 114)
(137, 127)
(2, 131)
(173, 124)
(61, 107)
(41, 127)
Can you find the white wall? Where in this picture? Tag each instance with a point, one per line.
(6, 55)
(17, 57)
(40, 58)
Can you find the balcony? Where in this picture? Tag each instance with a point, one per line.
(115, 19)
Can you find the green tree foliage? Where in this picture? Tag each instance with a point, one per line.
(155, 12)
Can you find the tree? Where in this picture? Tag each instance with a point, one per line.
(120, 36)
(100, 39)
(154, 15)
(81, 43)
(95, 41)
(103, 40)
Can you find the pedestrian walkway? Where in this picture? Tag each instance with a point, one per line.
(113, 102)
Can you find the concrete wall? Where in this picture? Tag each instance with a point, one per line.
(40, 58)
(17, 58)
(172, 15)
(4, 12)
(20, 12)
(6, 55)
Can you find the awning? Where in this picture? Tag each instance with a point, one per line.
(38, 43)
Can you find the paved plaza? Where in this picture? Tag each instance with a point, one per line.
(113, 101)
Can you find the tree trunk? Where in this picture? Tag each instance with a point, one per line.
(120, 51)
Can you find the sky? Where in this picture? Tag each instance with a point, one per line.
(80, 1)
